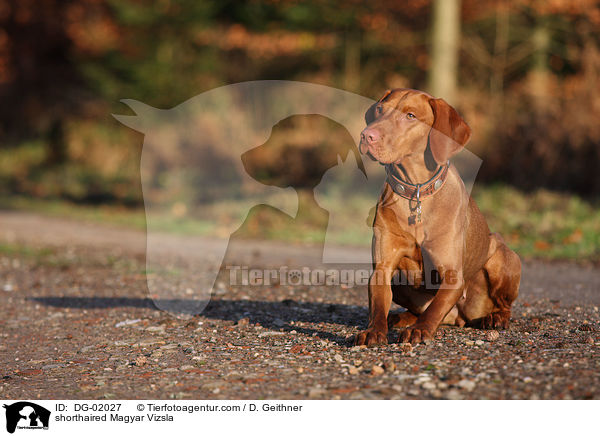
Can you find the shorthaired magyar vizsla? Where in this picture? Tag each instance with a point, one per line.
(433, 252)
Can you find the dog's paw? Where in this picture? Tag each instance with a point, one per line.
(496, 320)
(416, 334)
(371, 337)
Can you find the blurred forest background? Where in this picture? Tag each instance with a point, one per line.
(524, 74)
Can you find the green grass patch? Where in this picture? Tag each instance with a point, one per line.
(543, 224)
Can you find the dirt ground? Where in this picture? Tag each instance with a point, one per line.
(76, 323)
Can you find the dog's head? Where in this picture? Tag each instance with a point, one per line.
(406, 123)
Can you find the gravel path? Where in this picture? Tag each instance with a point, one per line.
(76, 322)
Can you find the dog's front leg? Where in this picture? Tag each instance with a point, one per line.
(388, 249)
(380, 300)
(429, 321)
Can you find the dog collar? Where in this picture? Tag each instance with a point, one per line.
(420, 190)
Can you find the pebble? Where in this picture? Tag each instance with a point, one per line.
(352, 370)
(406, 348)
(122, 344)
(389, 366)
(141, 361)
(127, 322)
(422, 379)
(377, 370)
(7, 287)
(454, 394)
(469, 343)
(243, 322)
(589, 340)
(156, 329)
(467, 385)
(278, 322)
(527, 380)
(265, 334)
(492, 335)
(186, 367)
(479, 342)
(316, 392)
(428, 385)
(51, 366)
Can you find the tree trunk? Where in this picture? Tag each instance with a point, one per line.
(539, 77)
(445, 43)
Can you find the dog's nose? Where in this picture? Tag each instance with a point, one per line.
(371, 136)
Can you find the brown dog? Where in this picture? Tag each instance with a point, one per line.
(433, 252)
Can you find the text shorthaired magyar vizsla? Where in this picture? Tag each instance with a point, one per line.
(433, 252)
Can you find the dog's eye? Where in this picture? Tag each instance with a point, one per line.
(410, 116)
(378, 110)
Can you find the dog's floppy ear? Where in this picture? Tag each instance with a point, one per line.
(449, 132)
(370, 113)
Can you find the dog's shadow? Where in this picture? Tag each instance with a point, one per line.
(285, 315)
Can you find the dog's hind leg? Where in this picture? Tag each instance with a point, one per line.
(401, 320)
(503, 273)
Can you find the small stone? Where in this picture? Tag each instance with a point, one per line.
(406, 348)
(454, 394)
(243, 322)
(265, 334)
(527, 380)
(428, 385)
(186, 367)
(422, 379)
(141, 361)
(50, 366)
(467, 385)
(300, 370)
(156, 329)
(479, 342)
(352, 370)
(469, 343)
(589, 340)
(338, 358)
(377, 370)
(316, 393)
(492, 335)
(278, 322)
(389, 366)
(7, 287)
(127, 322)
